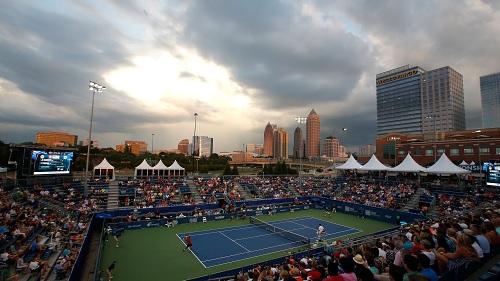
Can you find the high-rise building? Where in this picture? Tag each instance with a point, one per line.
(331, 147)
(280, 145)
(367, 150)
(203, 146)
(254, 148)
(298, 144)
(412, 100)
(56, 139)
(399, 106)
(85, 142)
(135, 147)
(268, 139)
(490, 100)
(183, 146)
(313, 138)
(443, 107)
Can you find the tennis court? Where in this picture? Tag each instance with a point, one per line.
(219, 246)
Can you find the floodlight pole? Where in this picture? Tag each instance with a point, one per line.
(95, 88)
(301, 120)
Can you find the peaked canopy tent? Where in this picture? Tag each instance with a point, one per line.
(176, 170)
(445, 166)
(160, 170)
(463, 163)
(350, 164)
(104, 170)
(143, 170)
(409, 165)
(374, 165)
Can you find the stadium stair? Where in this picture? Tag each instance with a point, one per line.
(412, 204)
(242, 191)
(113, 194)
(194, 191)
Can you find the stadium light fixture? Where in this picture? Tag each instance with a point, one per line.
(94, 88)
(301, 120)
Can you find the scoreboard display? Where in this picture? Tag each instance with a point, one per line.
(492, 174)
(51, 162)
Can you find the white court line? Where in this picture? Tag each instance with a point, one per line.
(182, 241)
(330, 222)
(233, 241)
(218, 258)
(252, 251)
(272, 233)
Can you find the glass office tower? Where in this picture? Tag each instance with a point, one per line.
(490, 100)
(399, 104)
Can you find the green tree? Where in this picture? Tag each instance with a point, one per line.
(227, 170)
(235, 171)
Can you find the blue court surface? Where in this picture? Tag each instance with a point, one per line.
(219, 246)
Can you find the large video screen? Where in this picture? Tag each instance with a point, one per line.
(51, 162)
(493, 174)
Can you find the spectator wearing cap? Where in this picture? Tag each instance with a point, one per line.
(405, 249)
(361, 268)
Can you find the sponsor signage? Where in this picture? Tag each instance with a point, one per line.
(396, 77)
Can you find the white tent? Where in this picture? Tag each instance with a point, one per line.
(374, 165)
(463, 163)
(143, 170)
(350, 164)
(104, 170)
(408, 165)
(472, 163)
(176, 170)
(445, 166)
(160, 170)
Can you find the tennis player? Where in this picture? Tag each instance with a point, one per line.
(321, 232)
(189, 243)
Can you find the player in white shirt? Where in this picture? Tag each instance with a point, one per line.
(321, 232)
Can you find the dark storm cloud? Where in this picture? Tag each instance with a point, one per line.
(52, 56)
(272, 47)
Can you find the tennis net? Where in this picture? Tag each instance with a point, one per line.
(280, 231)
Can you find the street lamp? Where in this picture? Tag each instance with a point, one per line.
(194, 139)
(479, 157)
(301, 120)
(95, 88)
(338, 152)
(152, 144)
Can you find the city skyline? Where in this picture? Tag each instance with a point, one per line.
(161, 63)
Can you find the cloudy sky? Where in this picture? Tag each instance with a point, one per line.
(238, 64)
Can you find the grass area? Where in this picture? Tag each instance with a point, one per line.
(156, 253)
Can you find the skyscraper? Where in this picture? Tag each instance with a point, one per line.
(331, 147)
(183, 146)
(298, 144)
(490, 100)
(280, 145)
(399, 100)
(412, 100)
(203, 146)
(313, 135)
(442, 100)
(268, 139)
